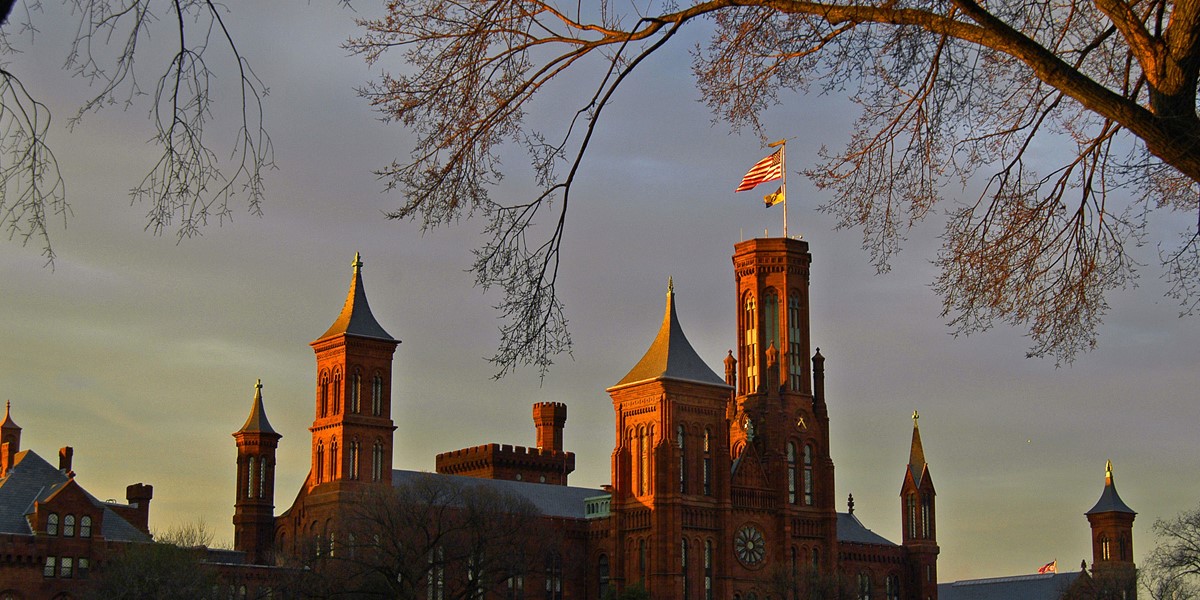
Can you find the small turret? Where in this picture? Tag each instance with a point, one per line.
(918, 517)
(10, 440)
(254, 506)
(1112, 529)
(549, 418)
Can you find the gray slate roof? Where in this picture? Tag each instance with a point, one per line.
(850, 529)
(671, 356)
(550, 500)
(257, 421)
(1048, 586)
(356, 318)
(33, 479)
(1110, 500)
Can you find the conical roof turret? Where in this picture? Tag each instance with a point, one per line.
(356, 318)
(671, 356)
(257, 421)
(8, 423)
(1110, 500)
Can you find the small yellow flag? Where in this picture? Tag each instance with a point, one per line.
(774, 198)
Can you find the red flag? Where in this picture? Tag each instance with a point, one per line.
(1050, 567)
(767, 169)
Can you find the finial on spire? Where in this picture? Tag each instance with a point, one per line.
(850, 503)
(258, 384)
(1108, 476)
(357, 264)
(670, 286)
(916, 416)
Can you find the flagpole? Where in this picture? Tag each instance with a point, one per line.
(783, 187)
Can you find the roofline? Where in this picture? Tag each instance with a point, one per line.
(724, 386)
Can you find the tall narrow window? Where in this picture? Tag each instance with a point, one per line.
(353, 458)
(642, 559)
(816, 559)
(262, 477)
(795, 342)
(1105, 550)
(926, 520)
(864, 586)
(707, 474)
(377, 461)
(602, 573)
(437, 575)
(643, 460)
(334, 467)
(911, 506)
(708, 570)
(52, 524)
(808, 475)
(750, 360)
(771, 318)
(679, 439)
(553, 577)
(69, 526)
(320, 466)
(355, 391)
(250, 477)
(85, 526)
(892, 587)
(791, 472)
(377, 395)
(337, 392)
(323, 396)
(683, 568)
(516, 588)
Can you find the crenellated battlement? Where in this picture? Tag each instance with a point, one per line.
(506, 461)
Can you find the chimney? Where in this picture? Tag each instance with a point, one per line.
(138, 495)
(64, 460)
(549, 417)
(6, 458)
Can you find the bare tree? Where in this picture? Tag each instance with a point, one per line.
(191, 182)
(1173, 569)
(950, 90)
(437, 538)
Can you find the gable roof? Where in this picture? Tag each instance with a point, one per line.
(550, 500)
(850, 529)
(32, 479)
(1047, 586)
(671, 356)
(356, 318)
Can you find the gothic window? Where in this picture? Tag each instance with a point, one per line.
(816, 558)
(679, 439)
(791, 472)
(554, 577)
(355, 391)
(377, 395)
(68, 526)
(642, 558)
(707, 471)
(333, 460)
(708, 570)
(262, 477)
(911, 507)
(516, 588)
(750, 360)
(864, 586)
(320, 466)
(892, 587)
(927, 518)
(337, 391)
(323, 395)
(250, 477)
(602, 573)
(771, 318)
(1122, 548)
(353, 460)
(683, 568)
(643, 460)
(795, 338)
(1105, 550)
(808, 474)
(85, 526)
(52, 524)
(377, 461)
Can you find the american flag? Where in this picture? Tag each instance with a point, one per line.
(767, 169)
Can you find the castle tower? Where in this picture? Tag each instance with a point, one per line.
(549, 418)
(352, 429)
(671, 460)
(254, 508)
(918, 517)
(10, 440)
(1112, 531)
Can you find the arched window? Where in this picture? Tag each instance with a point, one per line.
(602, 575)
(750, 327)
(250, 477)
(337, 392)
(816, 558)
(69, 526)
(52, 524)
(262, 477)
(377, 461)
(554, 574)
(334, 470)
(353, 460)
(795, 342)
(808, 474)
(642, 559)
(355, 391)
(85, 526)
(911, 508)
(320, 466)
(864, 586)
(707, 466)
(1105, 550)
(680, 440)
(377, 395)
(323, 395)
(927, 517)
(708, 570)
(1123, 548)
(683, 568)
(892, 587)
(643, 460)
(791, 472)
(771, 318)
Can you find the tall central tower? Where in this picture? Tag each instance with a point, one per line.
(352, 429)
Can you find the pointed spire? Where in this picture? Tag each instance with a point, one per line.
(671, 355)
(8, 423)
(1110, 500)
(356, 318)
(257, 421)
(916, 454)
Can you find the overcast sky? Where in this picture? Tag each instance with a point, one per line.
(143, 353)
